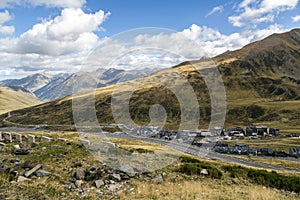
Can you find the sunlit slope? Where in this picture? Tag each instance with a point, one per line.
(16, 98)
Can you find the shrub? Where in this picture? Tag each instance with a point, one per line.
(186, 159)
(192, 166)
(263, 177)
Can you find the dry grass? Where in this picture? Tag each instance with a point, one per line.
(204, 189)
(12, 100)
(288, 164)
(175, 186)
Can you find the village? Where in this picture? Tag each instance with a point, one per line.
(217, 137)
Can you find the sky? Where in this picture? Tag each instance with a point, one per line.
(61, 35)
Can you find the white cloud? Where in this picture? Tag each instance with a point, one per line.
(5, 17)
(256, 12)
(213, 42)
(71, 32)
(215, 10)
(296, 18)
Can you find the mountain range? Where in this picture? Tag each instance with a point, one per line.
(262, 84)
(48, 87)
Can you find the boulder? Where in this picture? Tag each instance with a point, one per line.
(42, 173)
(21, 152)
(158, 179)
(79, 174)
(27, 164)
(113, 187)
(78, 183)
(22, 178)
(30, 172)
(90, 174)
(116, 177)
(99, 183)
(128, 170)
(204, 172)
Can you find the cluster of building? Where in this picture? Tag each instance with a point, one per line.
(251, 131)
(242, 149)
(217, 134)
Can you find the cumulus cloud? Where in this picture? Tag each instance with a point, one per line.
(215, 10)
(296, 18)
(5, 17)
(71, 32)
(213, 42)
(256, 12)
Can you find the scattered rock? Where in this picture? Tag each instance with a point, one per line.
(16, 160)
(79, 174)
(78, 183)
(99, 183)
(37, 167)
(4, 170)
(115, 177)
(158, 179)
(99, 192)
(204, 172)
(21, 152)
(42, 173)
(27, 164)
(114, 187)
(90, 174)
(70, 187)
(79, 164)
(22, 178)
(15, 173)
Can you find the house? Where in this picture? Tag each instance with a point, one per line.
(274, 131)
(295, 152)
(235, 131)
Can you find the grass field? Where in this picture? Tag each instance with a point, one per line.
(59, 158)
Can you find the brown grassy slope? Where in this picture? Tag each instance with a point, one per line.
(261, 81)
(11, 99)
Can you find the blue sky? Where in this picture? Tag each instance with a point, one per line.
(56, 36)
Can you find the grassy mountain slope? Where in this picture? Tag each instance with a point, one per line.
(261, 81)
(12, 98)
